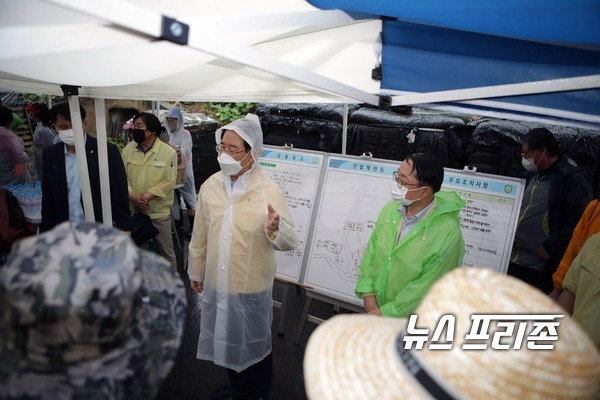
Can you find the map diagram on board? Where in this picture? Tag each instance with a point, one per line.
(346, 218)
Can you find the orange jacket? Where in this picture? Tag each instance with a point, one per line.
(586, 227)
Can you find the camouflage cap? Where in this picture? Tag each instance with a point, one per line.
(85, 313)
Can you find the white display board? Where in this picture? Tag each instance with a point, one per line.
(297, 174)
(355, 190)
(488, 222)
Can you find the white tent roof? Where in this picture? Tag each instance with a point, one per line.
(237, 50)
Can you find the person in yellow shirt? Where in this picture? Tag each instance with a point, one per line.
(151, 167)
(241, 219)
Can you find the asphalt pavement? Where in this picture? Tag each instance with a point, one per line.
(191, 378)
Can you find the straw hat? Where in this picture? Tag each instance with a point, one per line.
(358, 356)
(85, 313)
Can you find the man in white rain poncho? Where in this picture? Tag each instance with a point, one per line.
(241, 218)
(181, 137)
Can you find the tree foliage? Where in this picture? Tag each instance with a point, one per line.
(227, 112)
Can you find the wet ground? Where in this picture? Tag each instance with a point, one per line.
(195, 379)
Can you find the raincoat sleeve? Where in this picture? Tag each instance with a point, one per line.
(188, 191)
(365, 284)
(448, 258)
(186, 145)
(198, 244)
(284, 238)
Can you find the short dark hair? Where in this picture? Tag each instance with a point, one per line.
(6, 116)
(63, 110)
(428, 169)
(542, 138)
(151, 121)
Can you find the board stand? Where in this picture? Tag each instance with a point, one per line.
(281, 305)
(337, 304)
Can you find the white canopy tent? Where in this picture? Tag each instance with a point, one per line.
(236, 51)
(226, 50)
(264, 51)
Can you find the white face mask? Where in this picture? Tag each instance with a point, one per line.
(229, 165)
(529, 164)
(399, 194)
(67, 137)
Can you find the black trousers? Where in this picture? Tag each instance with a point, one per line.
(257, 379)
(540, 279)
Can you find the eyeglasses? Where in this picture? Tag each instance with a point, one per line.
(222, 149)
(400, 183)
(524, 153)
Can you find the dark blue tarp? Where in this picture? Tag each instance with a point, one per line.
(438, 45)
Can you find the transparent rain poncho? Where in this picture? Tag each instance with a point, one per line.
(231, 252)
(182, 138)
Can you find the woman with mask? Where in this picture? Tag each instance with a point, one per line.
(151, 167)
(61, 190)
(416, 240)
(242, 218)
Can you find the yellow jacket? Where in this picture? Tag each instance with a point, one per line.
(153, 171)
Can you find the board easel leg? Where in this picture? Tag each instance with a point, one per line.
(303, 318)
(337, 304)
(282, 305)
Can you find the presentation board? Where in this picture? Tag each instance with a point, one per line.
(488, 222)
(354, 191)
(297, 174)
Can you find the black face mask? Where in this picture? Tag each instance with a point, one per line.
(138, 135)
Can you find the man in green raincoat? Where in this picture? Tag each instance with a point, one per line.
(416, 240)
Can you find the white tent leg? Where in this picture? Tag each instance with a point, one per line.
(103, 162)
(82, 166)
(345, 129)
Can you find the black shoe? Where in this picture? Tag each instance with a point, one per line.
(228, 392)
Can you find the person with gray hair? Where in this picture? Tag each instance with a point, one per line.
(241, 219)
(86, 314)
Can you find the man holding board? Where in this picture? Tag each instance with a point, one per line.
(416, 240)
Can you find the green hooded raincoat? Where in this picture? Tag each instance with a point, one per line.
(400, 274)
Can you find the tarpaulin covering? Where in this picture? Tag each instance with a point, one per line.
(495, 147)
(305, 126)
(393, 136)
